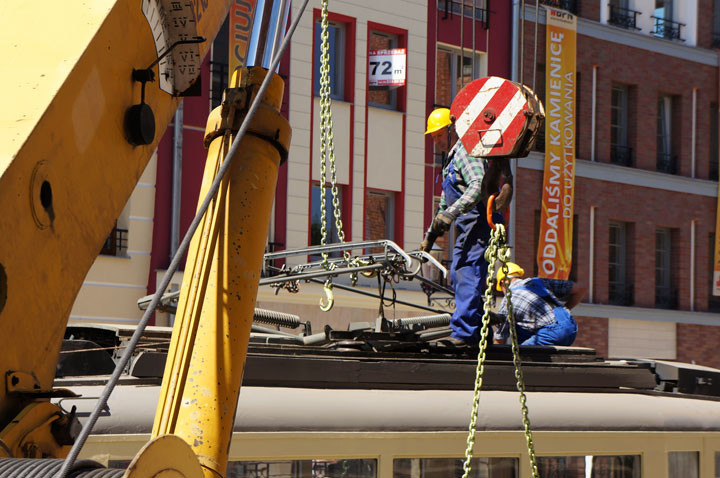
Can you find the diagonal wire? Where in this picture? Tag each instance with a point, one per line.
(102, 400)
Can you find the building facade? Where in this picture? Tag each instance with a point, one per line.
(385, 171)
(645, 175)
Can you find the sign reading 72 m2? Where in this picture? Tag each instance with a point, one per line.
(387, 67)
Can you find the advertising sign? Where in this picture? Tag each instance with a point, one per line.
(241, 17)
(387, 67)
(554, 254)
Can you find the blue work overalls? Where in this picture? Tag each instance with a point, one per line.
(562, 332)
(469, 267)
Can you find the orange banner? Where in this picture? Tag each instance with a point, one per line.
(241, 17)
(554, 254)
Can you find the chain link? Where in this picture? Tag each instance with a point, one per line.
(327, 142)
(497, 250)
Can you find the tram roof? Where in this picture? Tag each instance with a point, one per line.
(131, 409)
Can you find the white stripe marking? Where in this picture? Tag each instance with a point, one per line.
(497, 129)
(477, 105)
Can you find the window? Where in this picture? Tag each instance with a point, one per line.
(621, 15)
(383, 96)
(316, 218)
(569, 5)
(336, 53)
(683, 464)
(620, 152)
(663, 9)
(665, 296)
(380, 215)
(665, 27)
(716, 24)
(613, 466)
(452, 7)
(620, 291)
(352, 468)
(714, 159)
(116, 242)
(219, 58)
(444, 467)
(666, 161)
(453, 72)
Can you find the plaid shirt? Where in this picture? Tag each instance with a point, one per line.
(469, 172)
(532, 312)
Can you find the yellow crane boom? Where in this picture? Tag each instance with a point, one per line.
(69, 160)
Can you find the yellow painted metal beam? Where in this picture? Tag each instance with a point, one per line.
(66, 168)
(206, 358)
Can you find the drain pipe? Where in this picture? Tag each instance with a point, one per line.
(515, 77)
(176, 187)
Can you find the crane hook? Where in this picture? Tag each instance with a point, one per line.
(328, 287)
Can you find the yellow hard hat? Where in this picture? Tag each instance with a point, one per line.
(438, 119)
(514, 270)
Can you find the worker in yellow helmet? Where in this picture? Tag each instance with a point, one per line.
(541, 308)
(461, 204)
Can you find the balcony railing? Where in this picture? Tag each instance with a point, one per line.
(667, 163)
(116, 243)
(569, 5)
(621, 294)
(453, 7)
(623, 17)
(666, 298)
(668, 29)
(621, 155)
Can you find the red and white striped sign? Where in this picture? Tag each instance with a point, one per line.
(492, 115)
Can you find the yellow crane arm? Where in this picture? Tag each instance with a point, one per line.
(67, 167)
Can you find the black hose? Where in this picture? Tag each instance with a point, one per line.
(46, 467)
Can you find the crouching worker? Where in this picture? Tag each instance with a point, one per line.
(541, 308)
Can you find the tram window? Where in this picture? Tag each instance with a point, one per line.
(617, 466)
(717, 464)
(356, 468)
(444, 467)
(684, 464)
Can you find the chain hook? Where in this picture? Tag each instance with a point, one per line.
(328, 288)
(489, 212)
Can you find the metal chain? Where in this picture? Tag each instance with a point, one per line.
(498, 250)
(327, 142)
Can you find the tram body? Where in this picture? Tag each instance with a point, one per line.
(319, 412)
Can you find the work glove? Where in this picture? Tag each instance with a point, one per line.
(441, 224)
(502, 201)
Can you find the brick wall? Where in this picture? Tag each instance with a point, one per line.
(642, 207)
(698, 343)
(593, 333)
(649, 74)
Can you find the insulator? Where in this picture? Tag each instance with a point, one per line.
(279, 319)
(438, 320)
